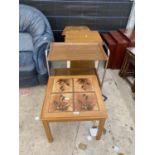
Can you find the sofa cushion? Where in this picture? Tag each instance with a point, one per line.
(28, 81)
(26, 62)
(25, 42)
(27, 69)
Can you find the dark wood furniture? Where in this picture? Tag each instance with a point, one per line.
(129, 35)
(111, 43)
(125, 69)
(121, 45)
(118, 41)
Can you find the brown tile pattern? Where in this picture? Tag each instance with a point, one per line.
(61, 102)
(62, 85)
(85, 102)
(83, 85)
(73, 95)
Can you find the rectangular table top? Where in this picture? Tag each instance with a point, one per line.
(76, 51)
(76, 97)
(75, 29)
(83, 36)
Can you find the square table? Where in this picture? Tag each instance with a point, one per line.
(75, 29)
(73, 98)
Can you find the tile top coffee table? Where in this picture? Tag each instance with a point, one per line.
(73, 98)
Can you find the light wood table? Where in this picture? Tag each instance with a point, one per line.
(75, 29)
(83, 37)
(73, 98)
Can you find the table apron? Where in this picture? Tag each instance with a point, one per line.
(72, 120)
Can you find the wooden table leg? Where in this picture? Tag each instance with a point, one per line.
(100, 129)
(133, 87)
(47, 131)
(125, 61)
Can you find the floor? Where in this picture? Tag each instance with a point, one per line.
(73, 138)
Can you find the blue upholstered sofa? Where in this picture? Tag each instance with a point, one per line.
(34, 35)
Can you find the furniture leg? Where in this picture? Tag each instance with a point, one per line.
(68, 64)
(125, 70)
(47, 131)
(105, 69)
(133, 87)
(98, 79)
(96, 64)
(106, 65)
(100, 129)
(123, 66)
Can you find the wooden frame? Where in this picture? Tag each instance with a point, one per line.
(47, 117)
(128, 60)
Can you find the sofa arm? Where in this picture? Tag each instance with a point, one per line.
(46, 56)
(40, 59)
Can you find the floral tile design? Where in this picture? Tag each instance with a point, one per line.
(85, 102)
(83, 85)
(71, 94)
(63, 85)
(61, 102)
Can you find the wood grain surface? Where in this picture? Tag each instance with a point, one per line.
(76, 51)
(75, 29)
(75, 110)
